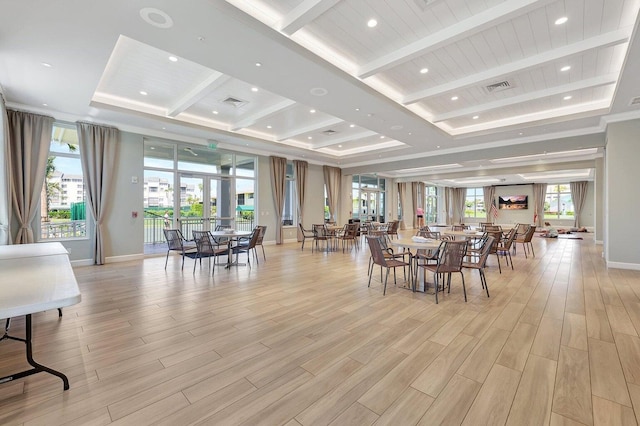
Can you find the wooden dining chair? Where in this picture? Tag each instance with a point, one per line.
(306, 234)
(177, 242)
(525, 240)
(450, 257)
(206, 247)
(481, 261)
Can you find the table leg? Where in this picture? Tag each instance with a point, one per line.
(37, 367)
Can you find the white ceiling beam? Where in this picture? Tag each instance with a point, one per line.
(526, 97)
(304, 13)
(197, 92)
(262, 114)
(343, 139)
(479, 22)
(307, 129)
(604, 40)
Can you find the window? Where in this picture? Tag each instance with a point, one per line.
(431, 205)
(474, 204)
(62, 203)
(558, 203)
(288, 212)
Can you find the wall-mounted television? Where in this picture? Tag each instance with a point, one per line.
(513, 202)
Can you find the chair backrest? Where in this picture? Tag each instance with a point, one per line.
(458, 227)
(257, 231)
(451, 256)
(529, 235)
(429, 234)
(203, 241)
(486, 250)
(319, 230)
(424, 228)
(506, 243)
(376, 250)
(263, 230)
(174, 238)
(305, 232)
(483, 225)
(351, 230)
(497, 236)
(393, 227)
(522, 228)
(492, 228)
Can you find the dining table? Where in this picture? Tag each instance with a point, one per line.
(232, 235)
(415, 244)
(466, 234)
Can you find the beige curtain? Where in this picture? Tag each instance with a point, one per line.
(489, 197)
(29, 139)
(402, 187)
(448, 196)
(579, 195)
(539, 194)
(5, 176)
(414, 204)
(459, 198)
(300, 168)
(333, 180)
(98, 151)
(278, 176)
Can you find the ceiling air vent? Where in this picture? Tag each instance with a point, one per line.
(329, 132)
(234, 101)
(635, 101)
(498, 87)
(424, 4)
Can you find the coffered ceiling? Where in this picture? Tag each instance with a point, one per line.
(443, 90)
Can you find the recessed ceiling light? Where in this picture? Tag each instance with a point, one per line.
(565, 68)
(437, 146)
(164, 128)
(156, 17)
(381, 137)
(46, 65)
(454, 98)
(475, 117)
(254, 89)
(424, 70)
(352, 125)
(152, 147)
(357, 109)
(562, 20)
(312, 111)
(309, 137)
(566, 98)
(45, 104)
(318, 91)
(258, 64)
(410, 133)
(143, 93)
(520, 133)
(268, 127)
(372, 23)
(339, 146)
(215, 112)
(173, 59)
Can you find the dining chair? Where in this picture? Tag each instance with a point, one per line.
(263, 231)
(481, 261)
(450, 257)
(497, 237)
(349, 235)
(177, 242)
(504, 247)
(525, 240)
(206, 247)
(460, 227)
(379, 258)
(320, 234)
(393, 228)
(246, 244)
(306, 234)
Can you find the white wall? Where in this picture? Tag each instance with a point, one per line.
(622, 203)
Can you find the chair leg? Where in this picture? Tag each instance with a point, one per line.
(533, 253)
(436, 285)
(166, 260)
(264, 255)
(483, 278)
(499, 267)
(386, 278)
(510, 259)
(464, 288)
(370, 275)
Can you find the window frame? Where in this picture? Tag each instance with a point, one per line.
(477, 213)
(559, 195)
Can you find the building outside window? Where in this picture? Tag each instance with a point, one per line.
(474, 204)
(558, 203)
(62, 201)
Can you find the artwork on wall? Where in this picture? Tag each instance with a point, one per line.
(513, 202)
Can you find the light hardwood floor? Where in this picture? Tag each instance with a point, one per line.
(301, 340)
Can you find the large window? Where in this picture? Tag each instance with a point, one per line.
(62, 201)
(431, 205)
(474, 204)
(288, 212)
(558, 203)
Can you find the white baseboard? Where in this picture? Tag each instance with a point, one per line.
(125, 258)
(622, 265)
(82, 262)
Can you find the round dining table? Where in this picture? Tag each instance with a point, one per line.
(232, 235)
(411, 243)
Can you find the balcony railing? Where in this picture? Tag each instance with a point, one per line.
(154, 224)
(65, 229)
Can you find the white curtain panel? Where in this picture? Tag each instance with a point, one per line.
(489, 197)
(539, 194)
(301, 168)
(333, 180)
(459, 198)
(278, 177)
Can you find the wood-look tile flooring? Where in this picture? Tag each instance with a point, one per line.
(300, 339)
